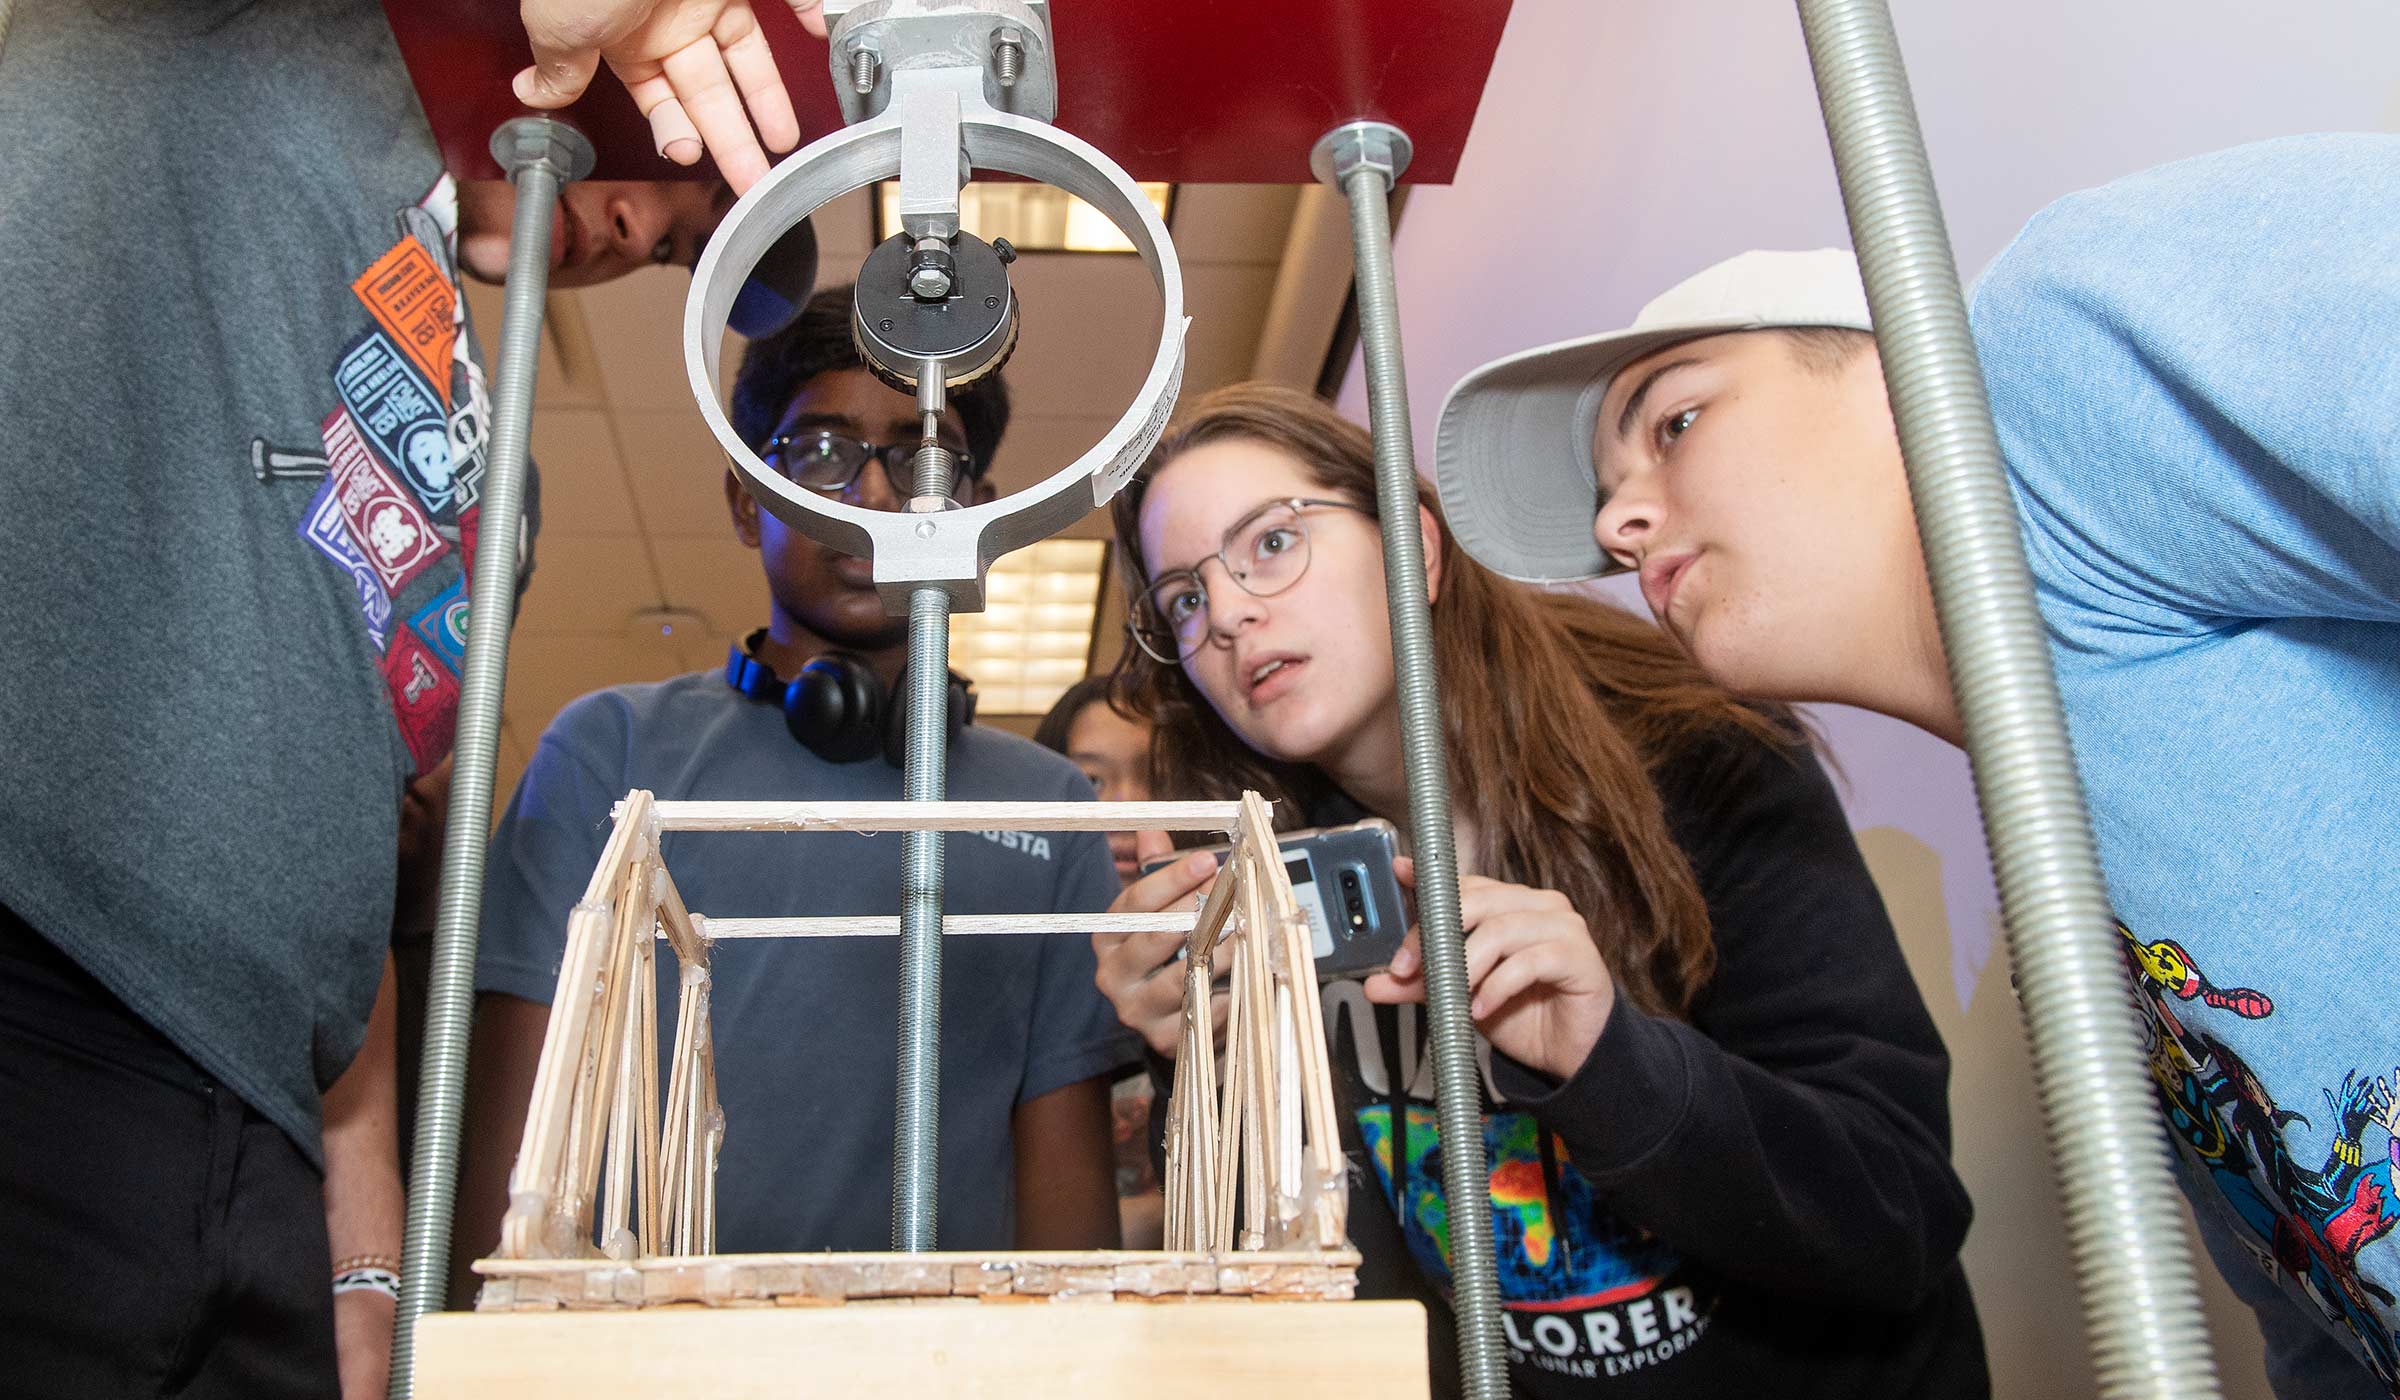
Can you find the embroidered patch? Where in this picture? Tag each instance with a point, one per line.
(398, 413)
(443, 624)
(410, 298)
(384, 521)
(324, 527)
(469, 521)
(424, 699)
(470, 428)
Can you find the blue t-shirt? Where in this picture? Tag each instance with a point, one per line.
(2195, 373)
(807, 1029)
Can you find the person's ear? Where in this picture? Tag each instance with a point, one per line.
(744, 508)
(1432, 545)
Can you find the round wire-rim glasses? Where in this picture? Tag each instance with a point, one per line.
(1264, 553)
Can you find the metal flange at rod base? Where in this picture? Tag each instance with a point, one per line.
(2124, 1219)
(541, 155)
(1364, 172)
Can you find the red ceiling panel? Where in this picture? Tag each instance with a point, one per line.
(1226, 91)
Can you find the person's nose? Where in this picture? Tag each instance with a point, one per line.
(637, 227)
(872, 489)
(1629, 521)
(1232, 607)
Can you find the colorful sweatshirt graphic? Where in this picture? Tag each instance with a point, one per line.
(1584, 1294)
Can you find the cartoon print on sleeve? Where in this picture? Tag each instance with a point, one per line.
(2164, 964)
(2307, 1226)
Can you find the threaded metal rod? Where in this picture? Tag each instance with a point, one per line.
(450, 994)
(2124, 1223)
(863, 64)
(1458, 1090)
(916, 1139)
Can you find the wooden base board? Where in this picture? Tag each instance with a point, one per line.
(737, 1280)
(946, 1347)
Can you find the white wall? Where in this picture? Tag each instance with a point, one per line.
(1639, 141)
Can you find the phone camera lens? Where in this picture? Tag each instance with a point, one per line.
(1354, 900)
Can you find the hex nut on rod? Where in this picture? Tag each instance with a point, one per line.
(524, 142)
(1355, 146)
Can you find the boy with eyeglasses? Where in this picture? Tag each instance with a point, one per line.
(2194, 383)
(806, 1029)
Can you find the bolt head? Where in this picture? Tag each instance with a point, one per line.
(929, 283)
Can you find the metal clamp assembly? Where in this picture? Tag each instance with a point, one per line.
(930, 120)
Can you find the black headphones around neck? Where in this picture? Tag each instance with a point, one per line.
(837, 707)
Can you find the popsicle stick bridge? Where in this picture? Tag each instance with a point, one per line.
(613, 1203)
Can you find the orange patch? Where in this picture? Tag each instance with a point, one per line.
(408, 295)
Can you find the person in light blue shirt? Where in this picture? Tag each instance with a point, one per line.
(2195, 376)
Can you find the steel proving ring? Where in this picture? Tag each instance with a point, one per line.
(955, 548)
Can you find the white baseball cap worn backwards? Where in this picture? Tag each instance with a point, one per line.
(1513, 452)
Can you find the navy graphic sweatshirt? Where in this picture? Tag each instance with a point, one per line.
(1759, 1202)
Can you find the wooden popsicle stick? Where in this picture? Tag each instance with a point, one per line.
(708, 1127)
(680, 928)
(596, 1095)
(645, 1128)
(953, 925)
(675, 1148)
(533, 1179)
(1173, 1182)
(616, 1215)
(1260, 988)
(947, 816)
(1260, 1122)
(1196, 988)
(1229, 1121)
(616, 1167)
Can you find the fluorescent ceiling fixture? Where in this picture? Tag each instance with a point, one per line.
(1036, 218)
(1033, 638)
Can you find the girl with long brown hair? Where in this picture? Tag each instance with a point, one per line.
(1716, 1115)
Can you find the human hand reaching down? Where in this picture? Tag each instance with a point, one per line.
(699, 70)
(1540, 992)
(1138, 972)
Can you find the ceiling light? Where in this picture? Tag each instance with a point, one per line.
(1036, 218)
(1033, 638)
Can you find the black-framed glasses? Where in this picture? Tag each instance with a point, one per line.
(1264, 553)
(830, 462)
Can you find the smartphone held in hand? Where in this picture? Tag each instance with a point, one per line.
(1342, 877)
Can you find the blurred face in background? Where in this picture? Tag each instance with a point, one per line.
(1114, 752)
(601, 230)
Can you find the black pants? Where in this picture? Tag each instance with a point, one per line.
(157, 1236)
